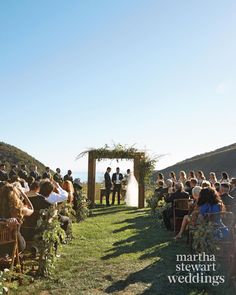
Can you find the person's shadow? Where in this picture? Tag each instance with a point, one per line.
(157, 251)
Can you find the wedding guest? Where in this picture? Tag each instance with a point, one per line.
(191, 175)
(160, 176)
(212, 178)
(182, 177)
(160, 190)
(47, 174)
(173, 176)
(34, 189)
(15, 205)
(116, 180)
(178, 194)
(188, 188)
(34, 172)
(226, 198)
(3, 173)
(13, 172)
(217, 187)
(30, 180)
(23, 172)
(193, 212)
(47, 191)
(205, 184)
(108, 185)
(68, 176)
(209, 201)
(170, 186)
(233, 188)
(57, 176)
(193, 182)
(224, 177)
(200, 177)
(68, 187)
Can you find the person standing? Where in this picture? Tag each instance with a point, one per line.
(116, 180)
(47, 174)
(3, 173)
(34, 172)
(69, 176)
(23, 172)
(108, 185)
(13, 172)
(57, 176)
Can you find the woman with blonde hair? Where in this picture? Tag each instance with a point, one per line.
(182, 177)
(68, 186)
(200, 177)
(14, 205)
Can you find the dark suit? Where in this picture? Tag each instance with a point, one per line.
(3, 175)
(34, 174)
(108, 186)
(227, 199)
(46, 175)
(23, 174)
(117, 187)
(68, 177)
(12, 173)
(57, 177)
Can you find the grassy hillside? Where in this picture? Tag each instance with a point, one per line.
(11, 155)
(223, 159)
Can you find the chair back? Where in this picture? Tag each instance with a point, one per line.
(181, 204)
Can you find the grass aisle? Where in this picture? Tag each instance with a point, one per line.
(118, 250)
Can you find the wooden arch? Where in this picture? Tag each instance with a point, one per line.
(137, 157)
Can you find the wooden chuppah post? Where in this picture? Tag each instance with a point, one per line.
(91, 176)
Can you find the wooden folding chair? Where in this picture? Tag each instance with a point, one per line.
(180, 206)
(8, 237)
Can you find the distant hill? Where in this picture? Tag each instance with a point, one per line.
(11, 155)
(223, 159)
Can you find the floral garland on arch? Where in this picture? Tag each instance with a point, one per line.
(119, 152)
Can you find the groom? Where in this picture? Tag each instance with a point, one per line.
(116, 180)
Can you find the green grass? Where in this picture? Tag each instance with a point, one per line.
(118, 250)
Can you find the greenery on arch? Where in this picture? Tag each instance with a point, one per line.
(118, 151)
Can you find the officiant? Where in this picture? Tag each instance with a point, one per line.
(116, 180)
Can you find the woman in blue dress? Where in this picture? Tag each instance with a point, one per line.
(209, 202)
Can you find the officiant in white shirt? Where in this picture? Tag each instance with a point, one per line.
(116, 180)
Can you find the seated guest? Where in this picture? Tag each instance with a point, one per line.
(193, 182)
(212, 178)
(3, 173)
(224, 177)
(224, 194)
(200, 177)
(34, 172)
(193, 212)
(178, 194)
(209, 201)
(187, 187)
(68, 187)
(233, 188)
(170, 186)
(13, 172)
(173, 177)
(217, 186)
(57, 176)
(23, 172)
(46, 174)
(34, 189)
(159, 190)
(182, 177)
(205, 184)
(68, 176)
(14, 204)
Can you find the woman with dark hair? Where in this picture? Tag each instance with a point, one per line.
(209, 201)
(191, 175)
(212, 178)
(160, 177)
(224, 177)
(173, 177)
(14, 205)
(200, 177)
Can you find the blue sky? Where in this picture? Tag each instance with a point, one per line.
(79, 74)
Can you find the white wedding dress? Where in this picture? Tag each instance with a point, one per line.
(131, 197)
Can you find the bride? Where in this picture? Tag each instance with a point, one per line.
(131, 197)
